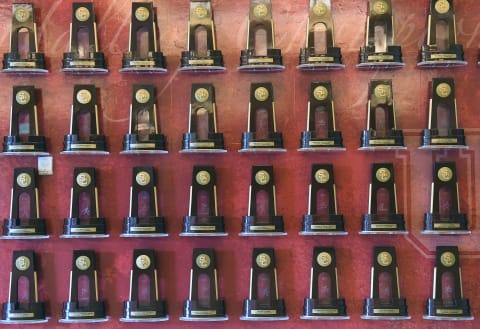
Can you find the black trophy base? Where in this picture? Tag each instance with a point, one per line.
(86, 228)
(156, 144)
(392, 224)
(370, 141)
(194, 312)
(151, 227)
(455, 224)
(454, 139)
(255, 311)
(14, 228)
(93, 64)
(456, 310)
(314, 309)
(273, 143)
(377, 309)
(254, 226)
(310, 143)
(391, 59)
(28, 313)
(203, 226)
(33, 145)
(272, 61)
(310, 61)
(153, 63)
(33, 64)
(431, 57)
(212, 62)
(91, 313)
(316, 225)
(214, 144)
(96, 145)
(133, 312)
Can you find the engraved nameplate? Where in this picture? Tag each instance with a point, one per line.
(253, 144)
(264, 312)
(200, 62)
(324, 311)
(380, 58)
(443, 56)
(260, 60)
(446, 225)
(83, 230)
(207, 312)
(444, 140)
(202, 228)
(80, 314)
(386, 311)
(202, 144)
(143, 145)
(22, 230)
(22, 64)
(20, 315)
(384, 226)
(449, 312)
(142, 63)
(83, 146)
(320, 59)
(143, 313)
(143, 229)
(323, 227)
(321, 143)
(382, 141)
(262, 228)
(21, 147)
(79, 63)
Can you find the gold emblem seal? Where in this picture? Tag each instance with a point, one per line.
(84, 96)
(203, 261)
(22, 15)
(320, 9)
(260, 11)
(143, 262)
(384, 258)
(201, 95)
(261, 94)
(322, 176)
(84, 179)
(442, 6)
(324, 259)
(380, 7)
(320, 93)
(22, 263)
(24, 180)
(383, 175)
(202, 177)
(142, 178)
(382, 91)
(263, 260)
(82, 14)
(262, 177)
(444, 90)
(83, 263)
(445, 174)
(447, 259)
(142, 96)
(200, 11)
(22, 97)
(142, 14)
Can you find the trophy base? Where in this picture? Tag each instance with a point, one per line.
(272, 143)
(309, 143)
(155, 144)
(193, 312)
(272, 61)
(33, 64)
(253, 226)
(28, 313)
(391, 59)
(392, 141)
(14, 228)
(455, 138)
(93, 64)
(93, 312)
(393, 224)
(316, 225)
(144, 227)
(455, 224)
(24, 321)
(155, 312)
(212, 62)
(33, 145)
(457, 310)
(310, 61)
(214, 144)
(315, 309)
(433, 58)
(96, 144)
(203, 226)
(254, 311)
(154, 63)
(84, 228)
(394, 309)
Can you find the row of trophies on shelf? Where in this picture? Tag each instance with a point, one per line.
(262, 219)
(263, 304)
(320, 53)
(262, 135)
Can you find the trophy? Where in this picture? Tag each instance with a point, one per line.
(143, 135)
(324, 302)
(202, 54)
(443, 131)
(84, 136)
(380, 51)
(84, 220)
(83, 55)
(143, 219)
(447, 302)
(385, 302)
(23, 306)
(262, 135)
(202, 135)
(441, 49)
(203, 218)
(83, 305)
(143, 54)
(444, 216)
(322, 218)
(382, 217)
(24, 221)
(261, 54)
(262, 218)
(203, 303)
(263, 303)
(23, 56)
(144, 305)
(320, 52)
(23, 138)
(382, 132)
(321, 134)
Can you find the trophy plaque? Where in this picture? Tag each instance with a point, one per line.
(144, 304)
(84, 220)
(143, 219)
(443, 131)
(23, 306)
(202, 54)
(261, 54)
(83, 305)
(381, 133)
(23, 56)
(262, 218)
(324, 302)
(320, 52)
(23, 138)
(203, 303)
(84, 136)
(83, 55)
(441, 49)
(262, 135)
(447, 302)
(382, 217)
(24, 221)
(444, 216)
(379, 51)
(203, 218)
(263, 303)
(202, 135)
(322, 218)
(385, 302)
(143, 54)
(321, 134)
(143, 135)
